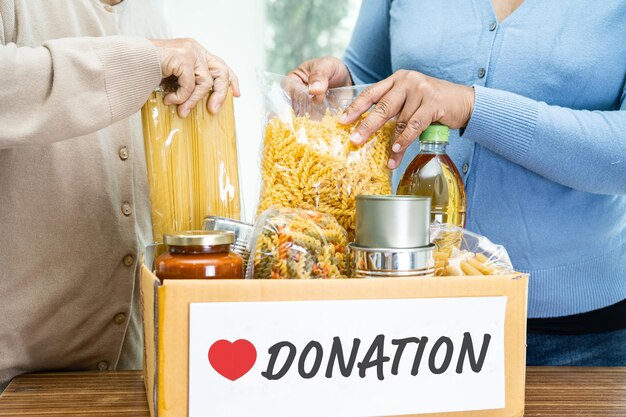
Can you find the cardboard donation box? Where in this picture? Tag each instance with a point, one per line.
(437, 346)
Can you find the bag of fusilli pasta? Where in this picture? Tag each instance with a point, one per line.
(296, 243)
(308, 160)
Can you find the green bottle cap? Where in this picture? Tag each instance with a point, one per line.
(435, 133)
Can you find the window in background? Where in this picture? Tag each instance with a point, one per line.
(299, 30)
(272, 35)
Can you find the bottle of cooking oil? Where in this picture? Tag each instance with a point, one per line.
(433, 174)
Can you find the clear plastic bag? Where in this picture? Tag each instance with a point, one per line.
(461, 252)
(296, 243)
(307, 159)
(192, 164)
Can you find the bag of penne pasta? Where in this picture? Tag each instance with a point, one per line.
(191, 163)
(307, 159)
(295, 243)
(461, 252)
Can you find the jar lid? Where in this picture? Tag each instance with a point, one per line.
(199, 238)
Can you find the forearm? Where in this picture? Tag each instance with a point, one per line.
(71, 87)
(584, 150)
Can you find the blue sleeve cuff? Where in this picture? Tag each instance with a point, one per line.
(502, 122)
(355, 80)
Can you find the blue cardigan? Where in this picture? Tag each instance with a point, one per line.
(544, 153)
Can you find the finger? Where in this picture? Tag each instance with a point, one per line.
(221, 82)
(186, 78)
(395, 159)
(315, 74)
(234, 83)
(386, 108)
(365, 100)
(295, 84)
(204, 82)
(319, 78)
(422, 118)
(318, 81)
(299, 75)
(411, 105)
(297, 92)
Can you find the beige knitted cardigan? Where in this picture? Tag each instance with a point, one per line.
(74, 210)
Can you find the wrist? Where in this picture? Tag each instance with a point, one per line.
(349, 81)
(468, 104)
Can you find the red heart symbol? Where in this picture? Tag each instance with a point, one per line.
(232, 360)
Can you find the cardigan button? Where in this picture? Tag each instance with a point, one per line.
(129, 260)
(481, 73)
(127, 210)
(124, 154)
(119, 318)
(493, 26)
(465, 168)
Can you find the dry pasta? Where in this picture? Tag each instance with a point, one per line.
(461, 252)
(451, 262)
(295, 243)
(192, 165)
(311, 164)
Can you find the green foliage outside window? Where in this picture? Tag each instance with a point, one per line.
(305, 29)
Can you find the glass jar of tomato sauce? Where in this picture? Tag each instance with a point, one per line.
(199, 255)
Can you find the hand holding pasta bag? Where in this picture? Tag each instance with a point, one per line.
(298, 244)
(308, 160)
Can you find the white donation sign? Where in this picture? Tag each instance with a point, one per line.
(346, 357)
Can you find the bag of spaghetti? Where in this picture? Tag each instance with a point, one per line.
(461, 252)
(191, 162)
(293, 243)
(308, 160)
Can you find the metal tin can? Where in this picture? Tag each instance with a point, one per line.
(391, 263)
(242, 231)
(392, 221)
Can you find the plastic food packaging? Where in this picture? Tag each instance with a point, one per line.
(192, 164)
(461, 252)
(242, 231)
(308, 160)
(297, 243)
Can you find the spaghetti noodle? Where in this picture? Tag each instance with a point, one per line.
(192, 165)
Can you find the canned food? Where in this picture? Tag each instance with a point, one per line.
(392, 221)
(391, 263)
(242, 231)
